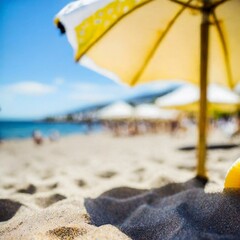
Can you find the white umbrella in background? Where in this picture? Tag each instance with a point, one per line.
(116, 111)
(152, 112)
(222, 96)
(187, 98)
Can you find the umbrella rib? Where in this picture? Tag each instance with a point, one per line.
(211, 6)
(77, 58)
(186, 4)
(225, 50)
(151, 53)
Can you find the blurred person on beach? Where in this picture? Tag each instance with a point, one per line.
(54, 136)
(37, 137)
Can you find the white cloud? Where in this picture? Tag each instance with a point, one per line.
(30, 88)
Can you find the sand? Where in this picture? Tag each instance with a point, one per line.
(174, 211)
(43, 188)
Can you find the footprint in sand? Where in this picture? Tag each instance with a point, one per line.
(8, 209)
(45, 202)
(81, 183)
(30, 189)
(47, 187)
(106, 232)
(63, 233)
(107, 174)
(52, 186)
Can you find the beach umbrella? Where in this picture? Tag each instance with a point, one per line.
(187, 97)
(137, 41)
(152, 112)
(116, 111)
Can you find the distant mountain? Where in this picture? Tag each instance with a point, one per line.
(88, 111)
(149, 97)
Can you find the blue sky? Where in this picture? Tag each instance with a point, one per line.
(38, 75)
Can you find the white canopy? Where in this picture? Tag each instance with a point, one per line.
(187, 97)
(152, 112)
(116, 111)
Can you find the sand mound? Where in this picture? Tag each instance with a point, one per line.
(169, 212)
(47, 201)
(65, 220)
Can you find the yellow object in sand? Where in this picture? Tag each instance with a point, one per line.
(232, 179)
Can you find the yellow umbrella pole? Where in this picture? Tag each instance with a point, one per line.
(202, 135)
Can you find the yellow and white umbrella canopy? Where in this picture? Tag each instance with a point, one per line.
(187, 99)
(137, 41)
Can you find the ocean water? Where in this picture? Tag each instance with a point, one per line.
(24, 129)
